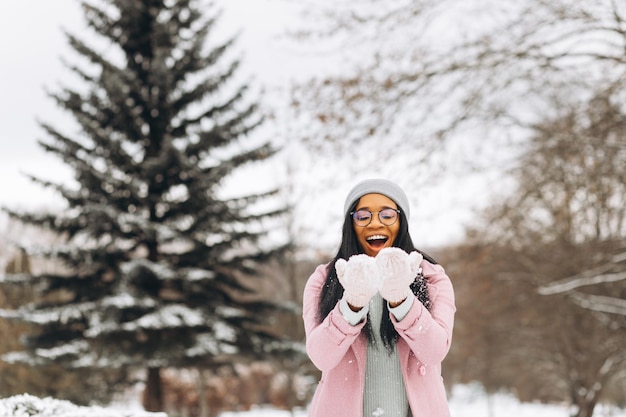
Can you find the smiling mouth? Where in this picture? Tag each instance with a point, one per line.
(377, 241)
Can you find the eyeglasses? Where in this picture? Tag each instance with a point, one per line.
(364, 217)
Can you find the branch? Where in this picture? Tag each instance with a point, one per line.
(600, 303)
(591, 277)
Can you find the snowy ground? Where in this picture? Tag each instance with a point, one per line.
(466, 401)
(30, 406)
(469, 401)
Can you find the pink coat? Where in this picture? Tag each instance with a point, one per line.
(338, 349)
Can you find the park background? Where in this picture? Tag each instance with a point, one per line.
(502, 121)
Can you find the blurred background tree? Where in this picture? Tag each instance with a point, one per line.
(81, 387)
(155, 254)
(443, 88)
(564, 219)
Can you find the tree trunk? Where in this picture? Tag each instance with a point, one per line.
(203, 402)
(585, 408)
(153, 394)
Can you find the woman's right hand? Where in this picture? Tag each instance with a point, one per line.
(360, 279)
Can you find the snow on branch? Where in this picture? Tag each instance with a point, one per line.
(572, 283)
(596, 276)
(600, 303)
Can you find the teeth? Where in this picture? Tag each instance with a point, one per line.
(376, 237)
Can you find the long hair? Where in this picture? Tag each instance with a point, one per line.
(332, 291)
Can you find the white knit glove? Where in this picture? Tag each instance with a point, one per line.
(398, 270)
(359, 277)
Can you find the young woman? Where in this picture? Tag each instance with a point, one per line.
(379, 316)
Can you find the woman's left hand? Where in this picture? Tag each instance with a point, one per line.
(398, 270)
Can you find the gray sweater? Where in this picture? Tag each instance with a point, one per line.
(385, 393)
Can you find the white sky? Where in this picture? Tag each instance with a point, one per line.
(33, 44)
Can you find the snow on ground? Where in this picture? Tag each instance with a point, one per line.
(470, 401)
(30, 406)
(465, 401)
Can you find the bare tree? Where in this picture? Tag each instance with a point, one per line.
(575, 185)
(426, 77)
(564, 226)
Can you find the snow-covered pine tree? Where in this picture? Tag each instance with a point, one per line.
(155, 250)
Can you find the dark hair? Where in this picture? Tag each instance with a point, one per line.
(332, 291)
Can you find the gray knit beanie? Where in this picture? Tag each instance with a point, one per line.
(378, 186)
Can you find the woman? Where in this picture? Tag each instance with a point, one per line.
(378, 317)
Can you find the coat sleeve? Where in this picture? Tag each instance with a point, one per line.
(326, 342)
(429, 333)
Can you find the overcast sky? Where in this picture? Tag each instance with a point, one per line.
(33, 45)
(30, 41)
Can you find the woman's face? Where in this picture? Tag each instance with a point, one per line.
(376, 235)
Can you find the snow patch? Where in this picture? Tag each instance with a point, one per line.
(26, 405)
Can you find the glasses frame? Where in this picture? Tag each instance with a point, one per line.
(352, 213)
